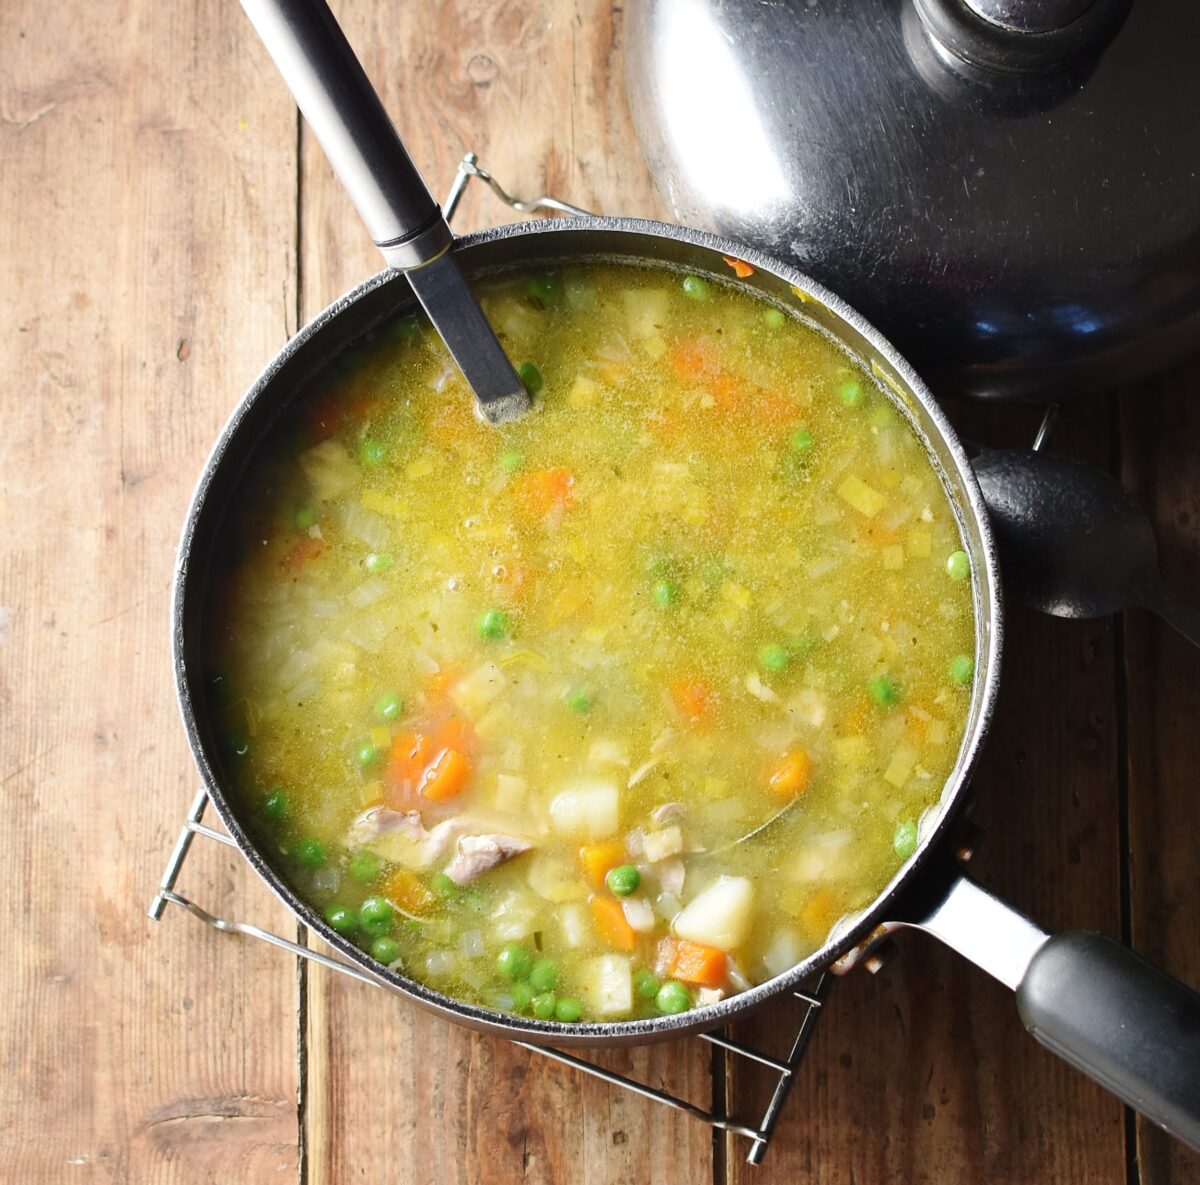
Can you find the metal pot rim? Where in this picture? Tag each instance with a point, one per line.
(988, 624)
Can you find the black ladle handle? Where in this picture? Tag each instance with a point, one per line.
(343, 110)
(1100, 1007)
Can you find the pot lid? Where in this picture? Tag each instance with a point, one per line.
(1009, 189)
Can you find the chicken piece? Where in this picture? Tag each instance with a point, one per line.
(478, 854)
(669, 812)
(430, 845)
(671, 874)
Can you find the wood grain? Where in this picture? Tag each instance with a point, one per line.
(1160, 433)
(145, 272)
(924, 1073)
(161, 225)
(529, 89)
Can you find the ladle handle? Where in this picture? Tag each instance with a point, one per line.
(340, 105)
(1100, 1007)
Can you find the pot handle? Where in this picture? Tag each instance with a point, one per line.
(342, 108)
(1099, 1006)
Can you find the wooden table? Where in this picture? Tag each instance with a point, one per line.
(166, 224)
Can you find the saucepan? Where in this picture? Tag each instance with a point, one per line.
(1098, 1005)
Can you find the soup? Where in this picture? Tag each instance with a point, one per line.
(499, 701)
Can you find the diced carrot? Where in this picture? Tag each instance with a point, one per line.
(818, 914)
(455, 732)
(404, 889)
(437, 686)
(694, 699)
(741, 268)
(598, 859)
(545, 491)
(303, 552)
(610, 921)
(704, 966)
(446, 777)
(690, 359)
(791, 775)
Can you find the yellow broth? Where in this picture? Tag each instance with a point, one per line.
(713, 575)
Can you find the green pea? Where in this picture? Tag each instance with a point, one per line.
(623, 880)
(375, 915)
(801, 442)
(522, 997)
(851, 392)
(884, 691)
(544, 291)
(385, 950)
(309, 852)
(665, 592)
(645, 983)
(341, 919)
(239, 746)
(443, 886)
(367, 756)
(567, 1009)
(775, 318)
(365, 866)
(904, 842)
(275, 805)
(372, 453)
(773, 658)
(544, 1004)
(696, 288)
(378, 561)
(305, 517)
(579, 702)
(515, 962)
(511, 459)
(494, 624)
(406, 328)
(962, 669)
(673, 998)
(543, 975)
(389, 707)
(958, 565)
(531, 377)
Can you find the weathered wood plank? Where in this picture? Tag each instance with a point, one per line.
(1160, 438)
(924, 1073)
(535, 91)
(147, 201)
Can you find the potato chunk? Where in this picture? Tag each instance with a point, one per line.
(720, 915)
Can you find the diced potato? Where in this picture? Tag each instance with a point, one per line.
(370, 793)
(900, 767)
(893, 557)
(866, 500)
(330, 469)
(573, 921)
(588, 808)
(938, 733)
(606, 752)
(784, 951)
(383, 504)
(645, 310)
(719, 915)
(584, 391)
(420, 466)
(475, 692)
(853, 752)
(555, 876)
(663, 843)
(607, 985)
(736, 594)
(510, 794)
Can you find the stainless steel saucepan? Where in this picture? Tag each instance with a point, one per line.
(1092, 1001)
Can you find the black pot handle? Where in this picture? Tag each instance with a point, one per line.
(1120, 1020)
(1100, 1007)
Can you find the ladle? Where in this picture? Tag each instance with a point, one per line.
(1073, 542)
(343, 110)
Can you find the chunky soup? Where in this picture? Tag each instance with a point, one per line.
(499, 701)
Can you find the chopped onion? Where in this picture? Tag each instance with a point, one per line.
(638, 914)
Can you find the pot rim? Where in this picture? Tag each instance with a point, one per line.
(957, 477)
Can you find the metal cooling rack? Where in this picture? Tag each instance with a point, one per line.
(783, 1068)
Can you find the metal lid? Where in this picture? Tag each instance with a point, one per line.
(1010, 189)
